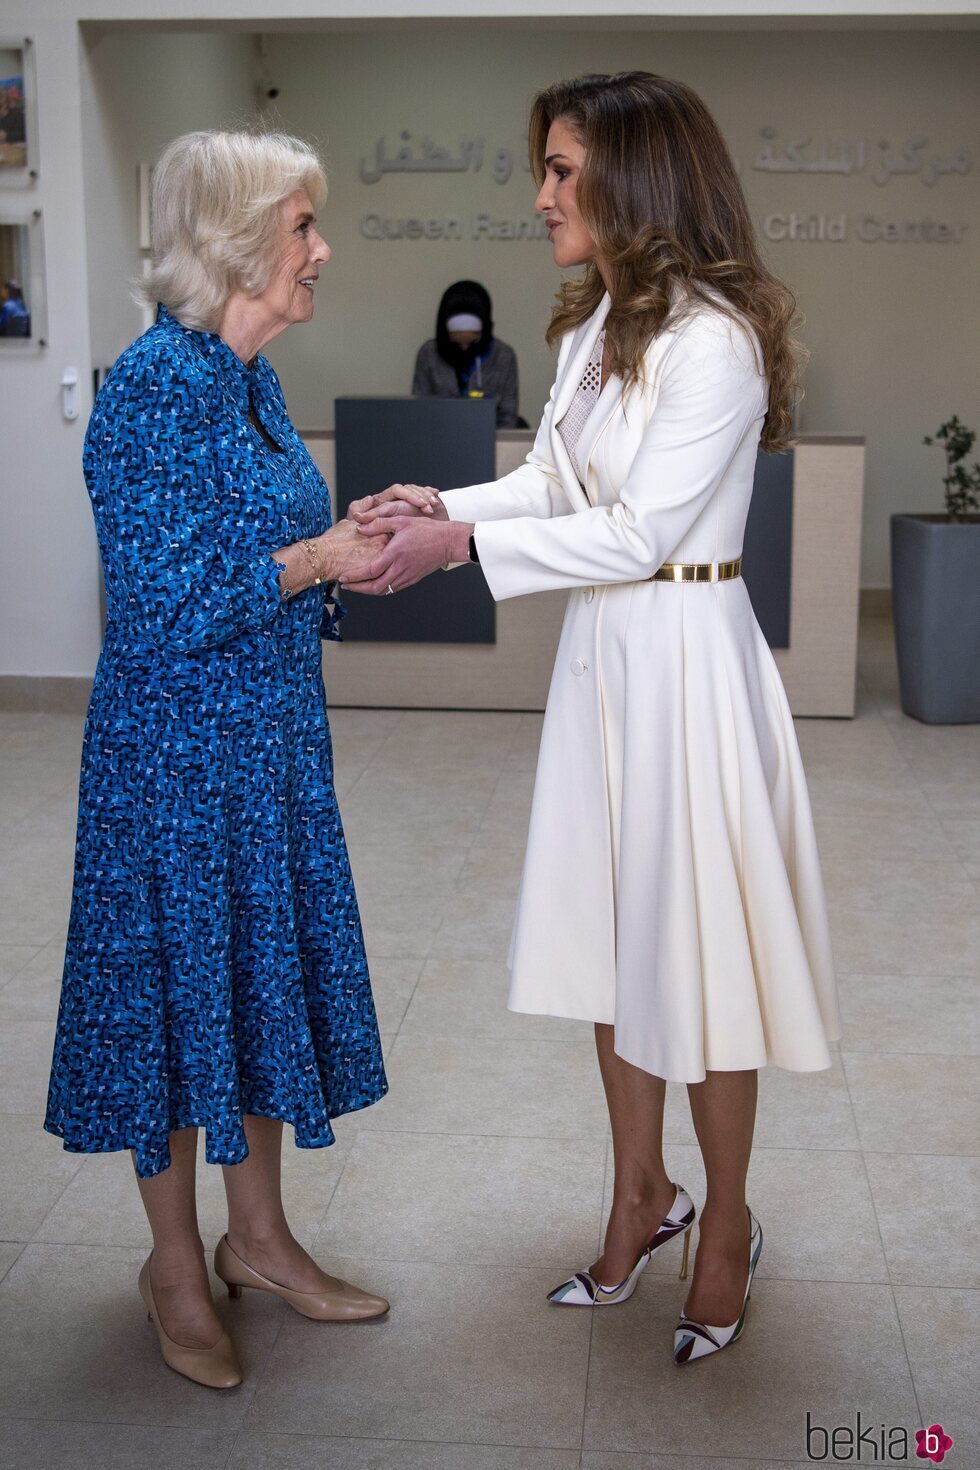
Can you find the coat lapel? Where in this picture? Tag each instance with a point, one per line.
(598, 420)
(612, 400)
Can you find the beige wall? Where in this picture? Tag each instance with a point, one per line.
(890, 325)
(101, 105)
(895, 348)
(49, 578)
(140, 90)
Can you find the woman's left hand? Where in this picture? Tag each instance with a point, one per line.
(398, 500)
(417, 547)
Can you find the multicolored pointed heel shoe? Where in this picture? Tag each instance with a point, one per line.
(582, 1289)
(697, 1340)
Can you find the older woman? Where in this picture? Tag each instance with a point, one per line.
(215, 974)
(671, 891)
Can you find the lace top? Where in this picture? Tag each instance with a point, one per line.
(577, 414)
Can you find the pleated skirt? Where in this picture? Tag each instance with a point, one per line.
(672, 886)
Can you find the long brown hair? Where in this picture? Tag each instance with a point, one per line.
(659, 195)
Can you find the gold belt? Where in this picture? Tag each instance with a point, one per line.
(698, 571)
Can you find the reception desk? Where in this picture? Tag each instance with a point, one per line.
(818, 667)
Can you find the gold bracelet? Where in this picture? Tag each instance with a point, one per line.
(315, 562)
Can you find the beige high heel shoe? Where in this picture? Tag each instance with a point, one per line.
(213, 1367)
(345, 1304)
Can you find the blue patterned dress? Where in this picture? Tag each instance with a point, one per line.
(215, 962)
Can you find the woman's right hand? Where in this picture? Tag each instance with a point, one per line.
(349, 551)
(403, 500)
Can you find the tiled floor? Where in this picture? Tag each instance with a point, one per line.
(483, 1178)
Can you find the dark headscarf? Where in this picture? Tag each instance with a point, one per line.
(464, 296)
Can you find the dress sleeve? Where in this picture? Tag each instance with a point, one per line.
(533, 489)
(711, 393)
(334, 613)
(186, 581)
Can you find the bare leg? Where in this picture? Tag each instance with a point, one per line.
(642, 1191)
(178, 1274)
(723, 1109)
(257, 1227)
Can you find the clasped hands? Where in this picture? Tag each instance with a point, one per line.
(414, 537)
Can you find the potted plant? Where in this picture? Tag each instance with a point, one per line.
(936, 593)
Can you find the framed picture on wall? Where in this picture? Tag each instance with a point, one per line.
(18, 129)
(23, 305)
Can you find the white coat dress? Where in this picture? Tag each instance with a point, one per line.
(671, 886)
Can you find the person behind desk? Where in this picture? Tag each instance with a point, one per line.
(464, 359)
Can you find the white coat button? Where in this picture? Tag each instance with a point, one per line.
(589, 593)
(578, 667)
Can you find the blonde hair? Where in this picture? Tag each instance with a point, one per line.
(660, 197)
(215, 213)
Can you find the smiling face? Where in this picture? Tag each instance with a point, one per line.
(300, 251)
(570, 239)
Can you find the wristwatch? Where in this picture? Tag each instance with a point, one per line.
(474, 554)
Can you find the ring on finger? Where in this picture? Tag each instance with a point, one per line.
(391, 591)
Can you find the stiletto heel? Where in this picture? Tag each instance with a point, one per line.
(582, 1289)
(342, 1303)
(696, 1339)
(687, 1247)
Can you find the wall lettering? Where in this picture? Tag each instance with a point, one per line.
(477, 227)
(799, 155)
(850, 158)
(432, 158)
(869, 228)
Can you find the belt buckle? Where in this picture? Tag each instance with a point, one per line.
(679, 571)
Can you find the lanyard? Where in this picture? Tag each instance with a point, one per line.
(475, 391)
